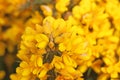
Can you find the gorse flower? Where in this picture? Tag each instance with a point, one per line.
(61, 5)
(45, 49)
(61, 39)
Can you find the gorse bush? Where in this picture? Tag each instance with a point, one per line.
(60, 40)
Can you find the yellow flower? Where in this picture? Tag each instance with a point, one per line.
(39, 61)
(42, 40)
(23, 69)
(59, 27)
(68, 61)
(2, 74)
(76, 12)
(14, 76)
(42, 73)
(82, 68)
(47, 11)
(61, 5)
(114, 75)
(47, 23)
(26, 72)
(57, 62)
(59, 65)
(108, 61)
(70, 73)
(36, 60)
(62, 47)
(41, 37)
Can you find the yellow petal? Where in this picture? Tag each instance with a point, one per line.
(107, 61)
(25, 78)
(70, 69)
(62, 47)
(39, 61)
(26, 72)
(14, 77)
(46, 10)
(41, 37)
(23, 64)
(59, 65)
(18, 69)
(47, 24)
(42, 73)
(41, 45)
(114, 39)
(114, 75)
(77, 41)
(29, 30)
(69, 61)
(66, 60)
(83, 68)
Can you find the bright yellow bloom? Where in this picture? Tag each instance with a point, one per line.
(68, 61)
(85, 35)
(61, 5)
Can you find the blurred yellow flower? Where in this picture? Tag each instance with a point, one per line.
(2, 74)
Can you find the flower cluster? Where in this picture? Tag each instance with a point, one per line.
(11, 28)
(62, 39)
